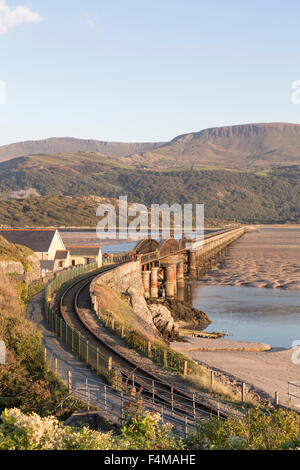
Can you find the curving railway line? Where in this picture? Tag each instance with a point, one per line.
(75, 306)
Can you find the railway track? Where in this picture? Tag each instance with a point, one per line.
(75, 306)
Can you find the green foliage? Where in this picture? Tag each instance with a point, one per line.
(270, 196)
(256, 430)
(25, 381)
(19, 431)
(144, 432)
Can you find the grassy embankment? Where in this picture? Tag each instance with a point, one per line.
(25, 380)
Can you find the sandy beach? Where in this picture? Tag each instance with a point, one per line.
(268, 372)
(268, 258)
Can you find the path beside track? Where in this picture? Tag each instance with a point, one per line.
(67, 361)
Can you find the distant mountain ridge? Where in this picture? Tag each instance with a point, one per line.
(241, 147)
(63, 145)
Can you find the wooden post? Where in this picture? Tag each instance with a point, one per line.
(70, 382)
(105, 399)
(276, 399)
(149, 349)
(87, 352)
(165, 358)
(185, 370)
(172, 398)
(211, 379)
(113, 324)
(153, 391)
(186, 426)
(122, 406)
(243, 392)
(56, 366)
(109, 364)
(194, 406)
(122, 332)
(98, 360)
(45, 355)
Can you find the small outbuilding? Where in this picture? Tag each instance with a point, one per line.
(85, 255)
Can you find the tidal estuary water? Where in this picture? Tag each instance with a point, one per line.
(253, 293)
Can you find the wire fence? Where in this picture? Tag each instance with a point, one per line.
(117, 405)
(194, 407)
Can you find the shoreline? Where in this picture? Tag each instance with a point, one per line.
(257, 369)
(265, 259)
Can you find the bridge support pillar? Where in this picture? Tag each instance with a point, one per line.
(154, 283)
(192, 260)
(146, 283)
(170, 280)
(180, 270)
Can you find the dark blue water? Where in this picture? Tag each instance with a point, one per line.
(249, 314)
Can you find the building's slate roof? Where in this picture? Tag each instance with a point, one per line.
(84, 250)
(61, 254)
(47, 265)
(37, 240)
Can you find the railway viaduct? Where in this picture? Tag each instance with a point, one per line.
(168, 261)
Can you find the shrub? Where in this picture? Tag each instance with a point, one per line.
(258, 430)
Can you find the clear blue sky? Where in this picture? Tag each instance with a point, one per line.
(141, 70)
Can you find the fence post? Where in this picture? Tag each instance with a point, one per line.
(185, 370)
(243, 392)
(165, 359)
(70, 382)
(122, 332)
(87, 352)
(122, 404)
(277, 399)
(45, 355)
(98, 361)
(153, 391)
(105, 399)
(149, 349)
(211, 380)
(194, 406)
(56, 366)
(109, 364)
(186, 426)
(79, 344)
(172, 399)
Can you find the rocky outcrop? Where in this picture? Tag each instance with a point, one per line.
(183, 311)
(29, 273)
(164, 322)
(12, 267)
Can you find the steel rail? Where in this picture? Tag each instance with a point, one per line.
(122, 361)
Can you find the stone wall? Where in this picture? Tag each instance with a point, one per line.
(126, 279)
(17, 268)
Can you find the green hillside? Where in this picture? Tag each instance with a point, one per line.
(265, 197)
